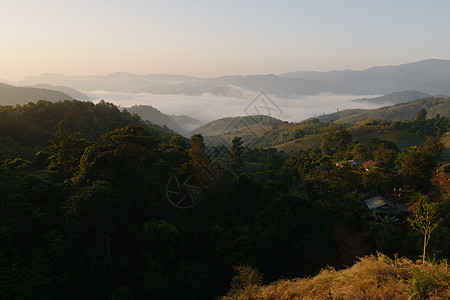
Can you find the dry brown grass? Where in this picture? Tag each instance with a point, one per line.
(372, 277)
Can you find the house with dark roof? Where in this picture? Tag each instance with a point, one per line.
(356, 162)
(381, 206)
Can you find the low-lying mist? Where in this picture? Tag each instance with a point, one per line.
(209, 108)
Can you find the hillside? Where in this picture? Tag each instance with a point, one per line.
(149, 113)
(73, 93)
(12, 95)
(308, 134)
(396, 97)
(181, 124)
(283, 138)
(372, 277)
(247, 127)
(287, 132)
(399, 112)
(26, 129)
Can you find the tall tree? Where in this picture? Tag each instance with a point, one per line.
(385, 155)
(335, 140)
(359, 151)
(424, 220)
(416, 167)
(236, 154)
(421, 115)
(67, 148)
(433, 147)
(199, 160)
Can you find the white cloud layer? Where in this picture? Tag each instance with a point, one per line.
(209, 108)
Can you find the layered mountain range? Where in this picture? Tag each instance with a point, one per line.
(430, 76)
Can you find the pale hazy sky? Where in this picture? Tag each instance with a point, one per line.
(212, 38)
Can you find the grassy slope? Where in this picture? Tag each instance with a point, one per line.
(372, 277)
(398, 112)
(286, 133)
(257, 124)
(403, 111)
(304, 143)
(401, 138)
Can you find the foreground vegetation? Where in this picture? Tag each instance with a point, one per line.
(87, 214)
(372, 277)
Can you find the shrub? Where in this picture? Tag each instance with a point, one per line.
(245, 282)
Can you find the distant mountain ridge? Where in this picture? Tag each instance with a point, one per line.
(233, 86)
(12, 95)
(114, 82)
(430, 76)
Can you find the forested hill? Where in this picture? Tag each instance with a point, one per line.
(236, 123)
(11, 95)
(147, 112)
(308, 134)
(400, 112)
(26, 129)
(246, 127)
(396, 97)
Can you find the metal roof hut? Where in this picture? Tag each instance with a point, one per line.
(381, 206)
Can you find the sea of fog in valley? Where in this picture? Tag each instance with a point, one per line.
(208, 108)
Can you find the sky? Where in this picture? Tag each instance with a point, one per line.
(215, 38)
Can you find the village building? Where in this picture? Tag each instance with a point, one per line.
(382, 206)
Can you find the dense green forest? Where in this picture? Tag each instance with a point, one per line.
(85, 210)
(26, 129)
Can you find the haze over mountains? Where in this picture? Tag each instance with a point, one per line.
(73, 93)
(181, 101)
(11, 95)
(430, 76)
